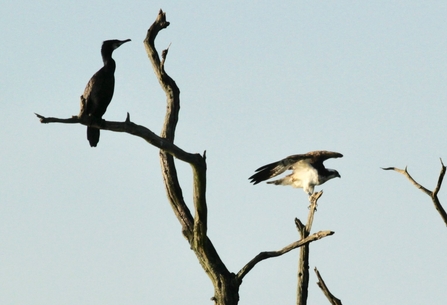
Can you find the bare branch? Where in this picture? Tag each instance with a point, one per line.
(73, 120)
(173, 99)
(313, 199)
(332, 299)
(440, 179)
(226, 288)
(166, 82)
(406, 174)
(299, 225)
(433, 195)
(269, 254)
(131, 128)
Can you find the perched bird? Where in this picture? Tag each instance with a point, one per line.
(99, 90)
(308, 170)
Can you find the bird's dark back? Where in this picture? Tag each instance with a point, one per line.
(99, 92)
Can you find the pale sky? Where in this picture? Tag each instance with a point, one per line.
(259, 81)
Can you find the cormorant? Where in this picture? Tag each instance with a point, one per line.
(99, 91)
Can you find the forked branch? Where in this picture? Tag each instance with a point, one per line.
(433, 194)
(269, 254)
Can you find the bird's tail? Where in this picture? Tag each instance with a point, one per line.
(284, 181)
(93, 136)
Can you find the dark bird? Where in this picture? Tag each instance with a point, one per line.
(308, 170)
(99, 91)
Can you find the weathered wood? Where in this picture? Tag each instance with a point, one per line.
(303, 262)
(226, 288)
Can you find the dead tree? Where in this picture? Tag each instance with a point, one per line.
(433, 194)
(194, 228)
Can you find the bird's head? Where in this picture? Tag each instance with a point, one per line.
(333, 174)
(117, 43)
(109, 45)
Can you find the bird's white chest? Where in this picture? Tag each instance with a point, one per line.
(305, 176)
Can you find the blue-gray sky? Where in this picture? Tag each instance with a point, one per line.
(259, 81)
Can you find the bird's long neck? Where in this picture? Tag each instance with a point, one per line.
(109, 63)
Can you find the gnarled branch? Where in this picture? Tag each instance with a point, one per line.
(226, 289)
(433, 194)
(131, 128)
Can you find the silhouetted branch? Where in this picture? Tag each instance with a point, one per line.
(226, 288)
(169, 172)
(440, 179)
(131, 128)
(332, 299)
(433, 195)
(72, 120)
(269, 254)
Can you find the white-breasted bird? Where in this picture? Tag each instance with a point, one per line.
(307, 170)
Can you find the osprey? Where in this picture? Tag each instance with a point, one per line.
(308, 170)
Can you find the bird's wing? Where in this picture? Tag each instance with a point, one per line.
(272, 170)
(98, 93)
(318, 155)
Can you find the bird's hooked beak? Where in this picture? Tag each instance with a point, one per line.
(120, 42)
(123, 41)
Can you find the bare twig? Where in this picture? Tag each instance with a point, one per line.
(332, 299)
(433, 194)
(406, 174)
(73, 120)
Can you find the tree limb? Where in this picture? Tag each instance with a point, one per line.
(226, 289)
(433, 194)
(332, 299)
(269, 254)
(131, 128)
(169, 172)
